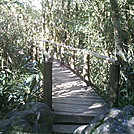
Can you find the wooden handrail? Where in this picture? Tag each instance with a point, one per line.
(84, 74)
(111, 60)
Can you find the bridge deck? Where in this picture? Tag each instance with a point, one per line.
(73, 103)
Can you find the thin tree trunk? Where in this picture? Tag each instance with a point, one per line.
(121, 50)
(121, 47)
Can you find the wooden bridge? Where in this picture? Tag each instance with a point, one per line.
(74, 103)
(73, 100)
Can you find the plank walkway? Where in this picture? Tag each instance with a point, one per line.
(74, 103)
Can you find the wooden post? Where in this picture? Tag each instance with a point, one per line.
(86, 70)
(58, 52)
(46, 46)
(62, 56)
(86, 66)
(47, 83)
(72, 60)
(55, 52)
(114, 84)
(36, 53)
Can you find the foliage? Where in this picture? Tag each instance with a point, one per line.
(21, 85)
(19, 25)
(88, 24)
(84, 24)
(20, 75)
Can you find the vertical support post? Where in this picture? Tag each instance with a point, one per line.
(36, 53)
(72, 61)
(57, 48)
(86, 66)
(86, 69)
(58, 52)
(44, 56)
(46, 46)
(114, 85)
(47, 83)
(62, 56)
(55, 52)
(2, 63)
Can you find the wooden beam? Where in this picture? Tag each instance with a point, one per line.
(114, 85)
(47, 83)
(86, 69)
(111, 60)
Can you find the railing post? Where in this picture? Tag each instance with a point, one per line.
(86, 69)
(36, 54)
(72, 60)
(114, 84)
(62, 56)
(55, 52)
(58, 52)
(46, 46)
(47, 83)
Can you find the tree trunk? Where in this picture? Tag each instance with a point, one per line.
(121, 48)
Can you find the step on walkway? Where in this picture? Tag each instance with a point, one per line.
(74, 103)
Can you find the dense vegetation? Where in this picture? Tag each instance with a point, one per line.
(91, 25)
(84, 24)
(20, 24)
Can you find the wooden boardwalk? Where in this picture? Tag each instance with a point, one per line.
(74, 104)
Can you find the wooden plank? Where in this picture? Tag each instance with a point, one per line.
(76, 103)
(92, 105)
(61, 95)
(66, 90)
(78, 96)
(79, 111)
(85, 113)
(79, 100)
(73, 109)
(71, 119)
(74, 93)
(65, 129)
(65, 79)
(73, 86)
(73, 113)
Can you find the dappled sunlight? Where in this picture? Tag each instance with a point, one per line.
(96, 105)
(71, 95)
(69, 84)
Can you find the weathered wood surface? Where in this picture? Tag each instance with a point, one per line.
(66, 128)
(47, 83)
(114, 85)
(73, 102)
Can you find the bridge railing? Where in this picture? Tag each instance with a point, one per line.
(85, 64)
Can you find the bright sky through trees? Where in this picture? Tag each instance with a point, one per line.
(35, 3)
